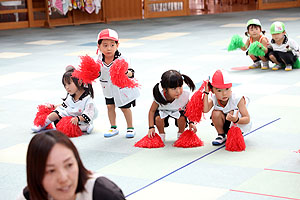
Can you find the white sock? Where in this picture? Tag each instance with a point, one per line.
(162, 136)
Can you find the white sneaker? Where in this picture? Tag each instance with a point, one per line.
(255, 65)
(288, 68)
(219, 140)
(276, 67)
(265, 65)
(111, 132)
(90, 129)
(130, 133)
(36, 129)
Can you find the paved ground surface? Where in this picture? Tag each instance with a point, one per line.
(32, 62)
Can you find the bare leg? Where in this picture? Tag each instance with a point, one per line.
(160, 124)
(218, 119)
(181, 122)
(128, 116)
(111, 114)
(53, 117)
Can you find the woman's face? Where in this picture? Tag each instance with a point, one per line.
(61, 173)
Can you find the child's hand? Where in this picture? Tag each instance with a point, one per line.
(231, 117)
(206, 87)
(74, 120)
(151, 133)
(193, 127)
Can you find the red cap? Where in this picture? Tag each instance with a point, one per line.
(108, 34)
(220, 79)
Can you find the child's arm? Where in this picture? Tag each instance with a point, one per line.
(152, 110)
(245, 119)
(265, 42)
(207, 103)
(245, 47)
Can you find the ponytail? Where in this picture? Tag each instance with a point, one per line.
(189, 82)
(157, 95)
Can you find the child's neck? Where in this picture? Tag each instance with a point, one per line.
(78, 94)
(108, 60)
(223, 103)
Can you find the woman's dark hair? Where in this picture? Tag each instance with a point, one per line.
(67, 79)
(254, 26)
(171, 79)
(37, 155)
(117, 53)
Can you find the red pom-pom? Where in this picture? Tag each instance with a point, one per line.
(42, 114)
(65, 126)
(188, 139)
(194, 108)
(298, 151)
(235, 140)
(118, 76)
(88, 70)
(147, 142)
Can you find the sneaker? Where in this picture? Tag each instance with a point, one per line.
(111, 132)
(90, 129)
(255, 65)
(276, 67)
(265, 65)
(219, 140)
(288, 68)
(130, 133)
(36, 129)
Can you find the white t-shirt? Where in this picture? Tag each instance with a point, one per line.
(122, 96)
(232, 104)
(172, 109)
(288, 45)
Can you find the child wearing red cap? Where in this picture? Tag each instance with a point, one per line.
(124, 98)
(228, 107)
(170, 101)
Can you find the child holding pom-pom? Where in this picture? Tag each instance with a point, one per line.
(169, 101)
(285, 51)
(228, 107)
(117, 81)
(78, 104)
(255, 33)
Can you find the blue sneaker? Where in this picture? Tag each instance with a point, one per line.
(111, 132)
(219, 140)
(130, 133)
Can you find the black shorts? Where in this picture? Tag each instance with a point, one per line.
(110, 101)
(166, 119)
(284, 57)
(225, 126)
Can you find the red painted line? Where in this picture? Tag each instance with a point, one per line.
(268, 195)
(276, 170)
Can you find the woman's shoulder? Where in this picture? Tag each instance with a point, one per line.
(106, 189)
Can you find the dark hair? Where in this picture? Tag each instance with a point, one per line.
(67, 79)
(255, 26)
(37, 155)
(171, 79)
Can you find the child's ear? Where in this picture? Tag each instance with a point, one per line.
(80, 82)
